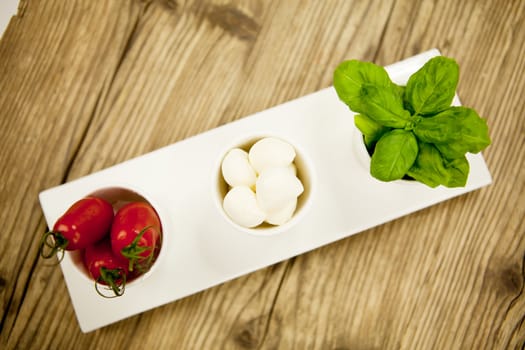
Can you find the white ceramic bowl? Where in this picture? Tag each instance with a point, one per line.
(305, 173)
(118, 196)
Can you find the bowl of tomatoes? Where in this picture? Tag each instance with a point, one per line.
(114, 236)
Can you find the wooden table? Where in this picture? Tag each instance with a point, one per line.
(85, 85)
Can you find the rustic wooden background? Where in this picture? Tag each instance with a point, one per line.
(88, 84)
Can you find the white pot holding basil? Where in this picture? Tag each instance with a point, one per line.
(413, 131)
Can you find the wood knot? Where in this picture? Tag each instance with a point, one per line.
(251, 334)
(3, 283)
(233, 21)
(247, 339)
(167, 4)
(507, 280)
(512, 279)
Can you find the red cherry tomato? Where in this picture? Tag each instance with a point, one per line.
(106, 268)
(136, 234)
(83, 224)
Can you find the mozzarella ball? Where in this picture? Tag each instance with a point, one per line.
(293, 169)
(237, 170)
(270, 152)
(241, 206)
(283, 215)
(275, 187)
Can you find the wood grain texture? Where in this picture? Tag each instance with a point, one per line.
(85, 85)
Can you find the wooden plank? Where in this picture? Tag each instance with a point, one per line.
(52, 75)
(155, 72)
(452, 275)
(137, 80)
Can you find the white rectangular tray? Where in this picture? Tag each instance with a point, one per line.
(202, 249)
(8, 9)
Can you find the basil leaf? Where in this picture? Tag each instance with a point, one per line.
(455, 131)
(451, 150)
(400, 90)
(432, 88)
(349, 76)
(384, 105)
(428, 166)
(394, 154)
(432, 169)
(457, 170)
(371, 130)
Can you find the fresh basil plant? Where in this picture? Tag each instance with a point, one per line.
(413, 131)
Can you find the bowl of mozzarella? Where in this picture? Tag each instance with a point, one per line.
(264, 185)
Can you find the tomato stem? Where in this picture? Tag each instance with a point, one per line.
(133, 252)
(51, 243)
(114, 279)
